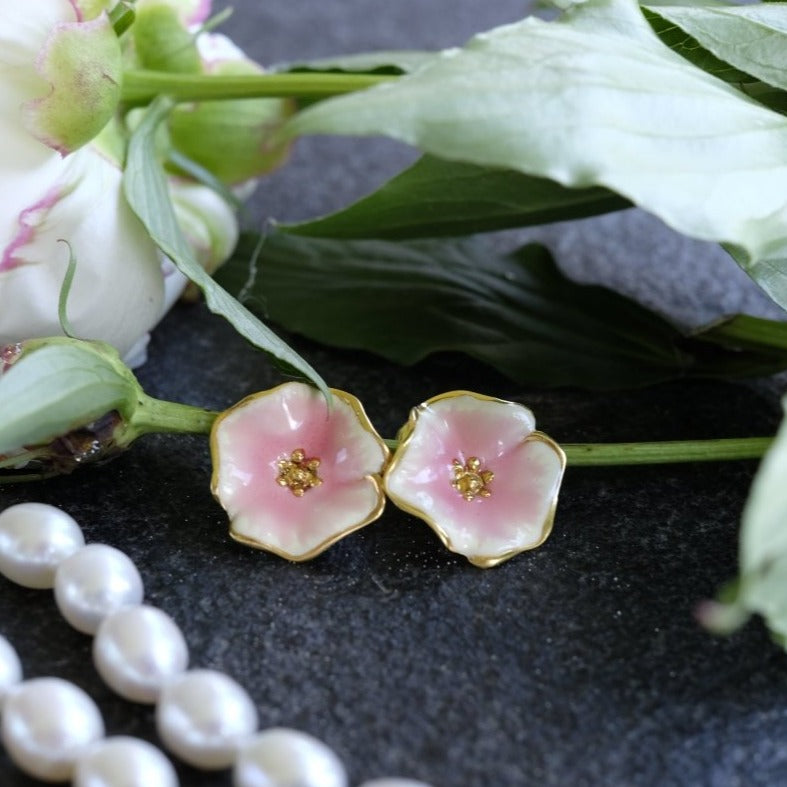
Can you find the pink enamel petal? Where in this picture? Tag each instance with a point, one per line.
(294, 416)
(516, 516)
(251, 439)
(300, 527)
(351, 450)
(465, 425)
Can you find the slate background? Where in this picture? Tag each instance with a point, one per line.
(579, 663)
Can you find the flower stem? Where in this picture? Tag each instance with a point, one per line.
(666, 452)
(140, 86)
(601, 454)
(156, 415)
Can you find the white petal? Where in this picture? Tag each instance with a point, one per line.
(118, 288)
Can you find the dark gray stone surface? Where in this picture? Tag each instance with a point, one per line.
(577, 664)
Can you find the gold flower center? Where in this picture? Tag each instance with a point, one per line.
(299, 472)
(470, 480)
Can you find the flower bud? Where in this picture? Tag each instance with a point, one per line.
(234, 139)
(60, 70)
(64, 402)
(161, 40)
(208, 222)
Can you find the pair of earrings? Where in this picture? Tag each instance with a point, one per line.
(296, 474)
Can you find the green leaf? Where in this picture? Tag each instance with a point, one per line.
(752, 38)
(744, 332)
(679, 41)
(146, 191)
(516, 312)
(55, 388)
(596, 99)
(762, 585)
(435, 197)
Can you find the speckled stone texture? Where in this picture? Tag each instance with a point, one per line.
(577, 664)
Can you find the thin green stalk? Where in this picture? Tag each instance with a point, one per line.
(140, 86)
(156, 415)
(658, 453)
(605, 454)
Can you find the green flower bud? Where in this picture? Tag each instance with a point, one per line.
(64, 402)
(69, 402)
(79, 71)
(235, 140)
(162, 42)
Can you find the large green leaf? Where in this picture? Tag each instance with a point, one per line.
(515, 312)
(687, 46)
(435, 197)
(752, 38)
(596, 99)
(146, 191)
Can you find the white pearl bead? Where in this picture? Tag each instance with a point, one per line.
(202, 716)
(46, 724)
(136, 649)
(124, 762)
(93, 583)
(34, 539)
(10, 669)
(394, 783)
(281, 757)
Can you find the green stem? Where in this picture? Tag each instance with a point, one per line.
(601, 454)
(156, 415)
(141, 86)
(666, 452)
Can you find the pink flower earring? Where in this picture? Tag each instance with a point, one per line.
(476, 471)
(295, 474)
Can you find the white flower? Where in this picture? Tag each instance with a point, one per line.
(118, 288)
(61, 180)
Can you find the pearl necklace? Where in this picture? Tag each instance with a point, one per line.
(52, 730)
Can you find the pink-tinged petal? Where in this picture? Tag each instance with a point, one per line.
(516, 472)
(252, 440)
(199, 11)
(118, 288)
(29, 218)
